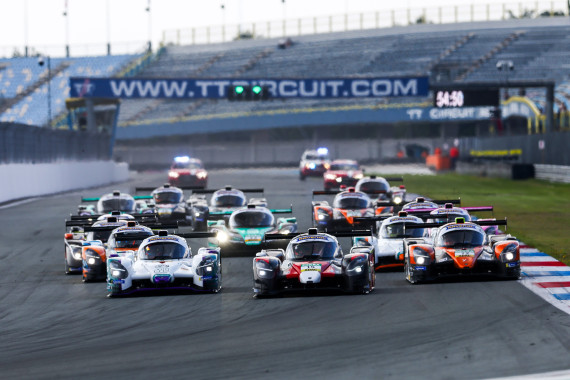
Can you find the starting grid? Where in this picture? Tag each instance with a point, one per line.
(546, 277)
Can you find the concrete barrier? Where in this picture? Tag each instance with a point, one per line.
(553, 173)
(29, 180)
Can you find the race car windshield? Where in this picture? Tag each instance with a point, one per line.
(251, 219)
(102, 235)
(117, 204)
(312, 250)
(167, 197)
(130, 240)
(186, 165)
(350, 203)
(163, 251)
(460, 239)
(343, 167)
(373, 187)
(228, 201)
(399, 231)
(448, 218)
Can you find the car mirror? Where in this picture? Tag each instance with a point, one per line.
(68, 236)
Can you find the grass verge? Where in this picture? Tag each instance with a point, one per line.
(538, 212)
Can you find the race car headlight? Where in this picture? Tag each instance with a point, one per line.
(91, 256)
(327, 165)
(76, 253)
(263, 268)
(312, 165)
(356, 265)
(197, 214)
(358, 176)
(202, 175)
(339, 179)
(222, 236)
(286, 230)
(117, 270)
(397, 200)
(420, 256)
(173, 174)
(322, 215)
(331, 177)
(510, 252)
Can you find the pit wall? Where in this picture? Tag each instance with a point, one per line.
(30, 180)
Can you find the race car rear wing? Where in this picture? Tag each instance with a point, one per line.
(152, 226)
(425, 213)
(337, 234)
(197, 235)
(498, 222)
(210, 191)
(273, 211)
(153, 188)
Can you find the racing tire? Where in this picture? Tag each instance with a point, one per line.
(408, 272)
(301, 177)
(67, 271)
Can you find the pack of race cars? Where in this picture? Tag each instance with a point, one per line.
(136, 243)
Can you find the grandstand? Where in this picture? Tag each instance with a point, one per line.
(468, 55)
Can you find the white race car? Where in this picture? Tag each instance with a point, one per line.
(165, 262)
(388, 243)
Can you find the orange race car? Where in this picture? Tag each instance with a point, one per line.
(460, 249)
(347, 205)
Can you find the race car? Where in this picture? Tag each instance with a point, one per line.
(73, 247)
(314, 163)
(388, 243)
(165, 262)
(461, 248)
(313, 260)
(378, 189)
(420, 204)
(115, 201)
(186, 171)
(168, 203)
(247, 226)
(342, 172)
(346, 206)
(222, 204)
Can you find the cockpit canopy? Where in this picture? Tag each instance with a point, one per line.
(228, 200)
(400, 231)
(312, 250)
(252, 218)
(461, 238)
(122, 202)
(162, 250)
(351, 202)
(168, 196)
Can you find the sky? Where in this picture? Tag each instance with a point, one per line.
(126, 23)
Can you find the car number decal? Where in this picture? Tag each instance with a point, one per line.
(464, 253)
(162, 269)
(310, 267)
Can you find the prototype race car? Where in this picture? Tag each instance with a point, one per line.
(73, 247)
(314, 163)
(115, 201)
(388, 242)
(342, 172)
(346, 206)
(378, 189)
(246, 228)
(168, 203)
(313, 261)
(461, 248)
(186, 171)
(222, 204)
(165, 262)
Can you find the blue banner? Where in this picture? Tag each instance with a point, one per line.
(133, 88)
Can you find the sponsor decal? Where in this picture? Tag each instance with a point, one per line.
(406, 219)
(310, 267)
(312, 237)
(460, 225)
(420, 267)
(162, 269)
(163, 238)
(464, 253)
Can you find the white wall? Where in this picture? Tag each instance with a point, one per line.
(29, 180)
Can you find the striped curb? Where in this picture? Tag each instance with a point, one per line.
(546, 277)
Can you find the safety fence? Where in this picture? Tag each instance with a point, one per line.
(20, 143)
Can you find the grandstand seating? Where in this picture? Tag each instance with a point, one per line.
(22, 74)
(468, 55)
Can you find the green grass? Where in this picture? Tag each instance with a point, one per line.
(538, 212)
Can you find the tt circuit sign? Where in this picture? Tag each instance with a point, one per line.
(132, 88)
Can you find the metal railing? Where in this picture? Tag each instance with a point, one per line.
(493, 11)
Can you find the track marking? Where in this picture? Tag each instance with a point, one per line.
(546, 277)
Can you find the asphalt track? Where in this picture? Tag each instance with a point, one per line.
(54, 326)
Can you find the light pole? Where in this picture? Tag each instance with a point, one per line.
(149, 26)
(65, 14)
(41, 62)
(223, 8)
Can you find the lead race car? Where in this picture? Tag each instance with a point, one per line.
(313, 260)
(459, 249)
(165, 262)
